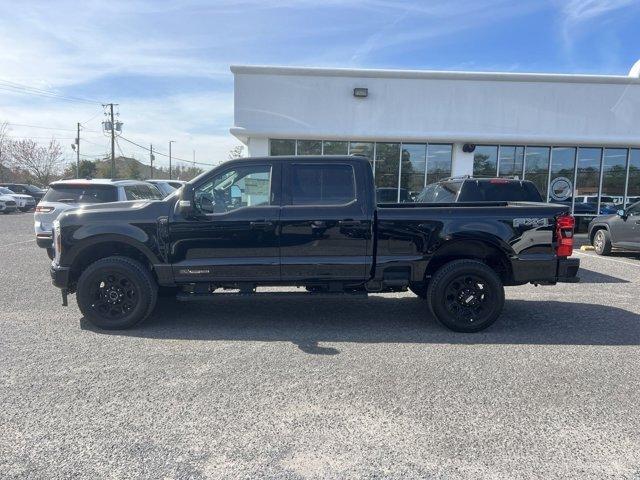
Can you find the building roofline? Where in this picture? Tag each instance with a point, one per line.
(434, 74)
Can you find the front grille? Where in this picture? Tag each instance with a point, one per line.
(10, 203)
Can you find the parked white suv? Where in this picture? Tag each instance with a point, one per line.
(167, 187)
(68, 194)
(23, 202)
(7, 204)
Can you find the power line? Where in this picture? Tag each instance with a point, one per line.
(156, 152)
(48, 128)
(28, 90)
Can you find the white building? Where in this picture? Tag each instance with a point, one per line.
(414, 125)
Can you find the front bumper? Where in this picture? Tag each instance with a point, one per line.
(44, 240)
(59, 276)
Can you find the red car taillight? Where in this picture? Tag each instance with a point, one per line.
(44, 209)
(564, 235)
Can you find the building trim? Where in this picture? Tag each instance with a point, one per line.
(431, 74)
(450, 137)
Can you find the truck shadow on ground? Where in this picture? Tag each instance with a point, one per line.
(307, 322)
(589, 276)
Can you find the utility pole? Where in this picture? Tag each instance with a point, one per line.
(151, 158)
(194, 159)
(170, 142)
(113, 127)
(113, 144)
(78, 153)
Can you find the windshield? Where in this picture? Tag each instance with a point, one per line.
(6, 191)
(498, 190)
(81, 193)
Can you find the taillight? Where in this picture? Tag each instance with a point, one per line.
(564, 235)
(40, 209)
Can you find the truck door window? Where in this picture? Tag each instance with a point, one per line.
(247, 186)
(322, 184)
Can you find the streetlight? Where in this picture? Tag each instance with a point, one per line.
(170, 142)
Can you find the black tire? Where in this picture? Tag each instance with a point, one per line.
(116, 293)
(420, 290)
(466, 296)
(602, 242)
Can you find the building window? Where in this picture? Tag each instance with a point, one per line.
(614, 173)
(563, 161)
(438, 162)
(633, 182)
(485, 161)
(309, 147)
(537, 168)
(510, 161)
(282, 147)
(587, 181)
(412, 171)
(364, 149)
(387, 165)
(330, 147)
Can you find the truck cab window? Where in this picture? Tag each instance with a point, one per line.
(247, 186)
(322, 184)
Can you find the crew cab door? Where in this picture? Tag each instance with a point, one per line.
(234, 234)
(325, 222)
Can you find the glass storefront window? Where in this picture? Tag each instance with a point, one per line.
(438, 162)
(364, 149)
(537, 167)
(633, 182)
(414, 161)
(485, 161)
(587, 181)
(614, 173)
(309, 147)
(510, 161)
(387, 164)
(563, 161)
(330, 147)
(279, 147)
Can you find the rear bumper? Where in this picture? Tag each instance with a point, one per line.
(545, 270)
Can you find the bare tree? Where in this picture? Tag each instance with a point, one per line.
(40, 163)
(236, 152)
(4, 127)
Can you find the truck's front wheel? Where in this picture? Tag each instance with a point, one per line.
(116, 293)
(466, 295)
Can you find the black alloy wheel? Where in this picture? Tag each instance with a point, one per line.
(466, 295)
(116, 293)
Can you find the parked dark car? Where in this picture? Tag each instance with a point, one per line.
(620, 230)
(22, 188)
(311, 222)
(469, 189)
(390, 195)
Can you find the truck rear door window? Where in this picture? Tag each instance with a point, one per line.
(322, 184)
(81, 193)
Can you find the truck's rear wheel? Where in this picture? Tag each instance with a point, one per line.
(466, 295)
(116, 293)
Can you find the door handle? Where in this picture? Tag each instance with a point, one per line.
(349, 223)
(261, 225)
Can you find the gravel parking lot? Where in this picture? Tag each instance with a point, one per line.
(317, 388)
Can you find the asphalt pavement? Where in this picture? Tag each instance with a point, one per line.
(317, 388)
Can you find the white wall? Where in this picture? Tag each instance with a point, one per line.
(436, 106)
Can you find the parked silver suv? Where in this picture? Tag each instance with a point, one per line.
(67, 194)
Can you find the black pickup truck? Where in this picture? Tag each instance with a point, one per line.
(310, 222)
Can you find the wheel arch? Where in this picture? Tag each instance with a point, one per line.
(594, 230)
(466, 249)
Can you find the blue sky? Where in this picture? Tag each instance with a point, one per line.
(167, 62)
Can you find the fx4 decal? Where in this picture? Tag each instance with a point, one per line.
(530, 222)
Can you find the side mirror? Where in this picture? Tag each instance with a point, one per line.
(621, 213)
(186, 203)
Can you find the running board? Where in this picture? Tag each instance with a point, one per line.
(197, 297)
